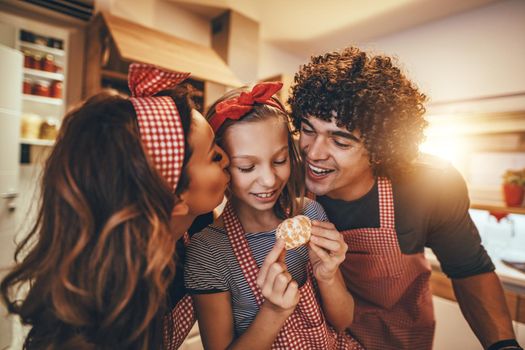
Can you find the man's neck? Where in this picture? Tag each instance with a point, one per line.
(354, 191)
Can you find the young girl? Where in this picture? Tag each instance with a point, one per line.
(124, 181)
(246, 294)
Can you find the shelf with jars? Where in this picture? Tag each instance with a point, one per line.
(39, 74)
(43, 98)
(42, 49)
(37, 142)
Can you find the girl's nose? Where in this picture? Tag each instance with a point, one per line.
(267, 177)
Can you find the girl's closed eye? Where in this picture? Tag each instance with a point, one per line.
(246, 169)
(281, 161)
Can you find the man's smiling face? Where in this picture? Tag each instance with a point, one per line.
(336, 161)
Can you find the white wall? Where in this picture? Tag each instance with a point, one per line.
(477, 53)
(274, 61)
(471, 54)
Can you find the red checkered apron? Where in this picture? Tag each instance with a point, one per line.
(178, 323)
(306, 328)
(392, 296)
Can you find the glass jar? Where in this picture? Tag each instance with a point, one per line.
(40, 40)
(30, 126)
(27, 86)
(55, 43)
(36, 61)
(56, 89)
(29, 60)
(48, 63)
(41, 88)
(49, 129)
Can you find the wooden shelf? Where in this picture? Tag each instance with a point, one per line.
(495, 206)
(37, 142)
(44, 100)
(43, 74)
(42, 48)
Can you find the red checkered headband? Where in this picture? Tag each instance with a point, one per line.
(159, 121)
(237, 107)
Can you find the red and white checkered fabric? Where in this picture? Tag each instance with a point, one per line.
(306, 328)
(179, 322)
(145, 80)
(158, 118)
(393, 303)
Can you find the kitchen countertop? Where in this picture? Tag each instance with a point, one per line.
(511, 278)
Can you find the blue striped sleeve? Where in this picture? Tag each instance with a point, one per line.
(203, 270)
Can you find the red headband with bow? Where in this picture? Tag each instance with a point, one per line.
(158, 118)
(237, 107)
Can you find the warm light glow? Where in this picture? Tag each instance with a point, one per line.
(443, 148)
(444, 141)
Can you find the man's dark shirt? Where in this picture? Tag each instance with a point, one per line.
(431, 210)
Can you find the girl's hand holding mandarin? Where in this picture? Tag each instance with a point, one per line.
(278, 288)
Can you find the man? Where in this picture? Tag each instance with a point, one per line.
(361, 123)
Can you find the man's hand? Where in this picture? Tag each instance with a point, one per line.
(327, 250)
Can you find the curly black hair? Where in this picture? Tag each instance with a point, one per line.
(366, 93)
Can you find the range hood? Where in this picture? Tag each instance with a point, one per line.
(132, 42)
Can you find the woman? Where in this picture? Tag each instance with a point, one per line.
(123, 183)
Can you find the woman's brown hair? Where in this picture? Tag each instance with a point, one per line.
(100, 257)
(291, 200)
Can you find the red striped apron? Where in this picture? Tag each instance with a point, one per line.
(306, 328)
(179, 322)
(391, 290)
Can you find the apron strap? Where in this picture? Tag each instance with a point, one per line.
(241, 249)
(386, 203)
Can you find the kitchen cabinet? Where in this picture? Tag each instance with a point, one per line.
(452, 330)
(113, 43)
(441, 286)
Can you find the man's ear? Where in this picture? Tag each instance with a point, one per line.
(180, 208)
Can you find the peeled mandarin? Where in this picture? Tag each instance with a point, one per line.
(294, 231)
